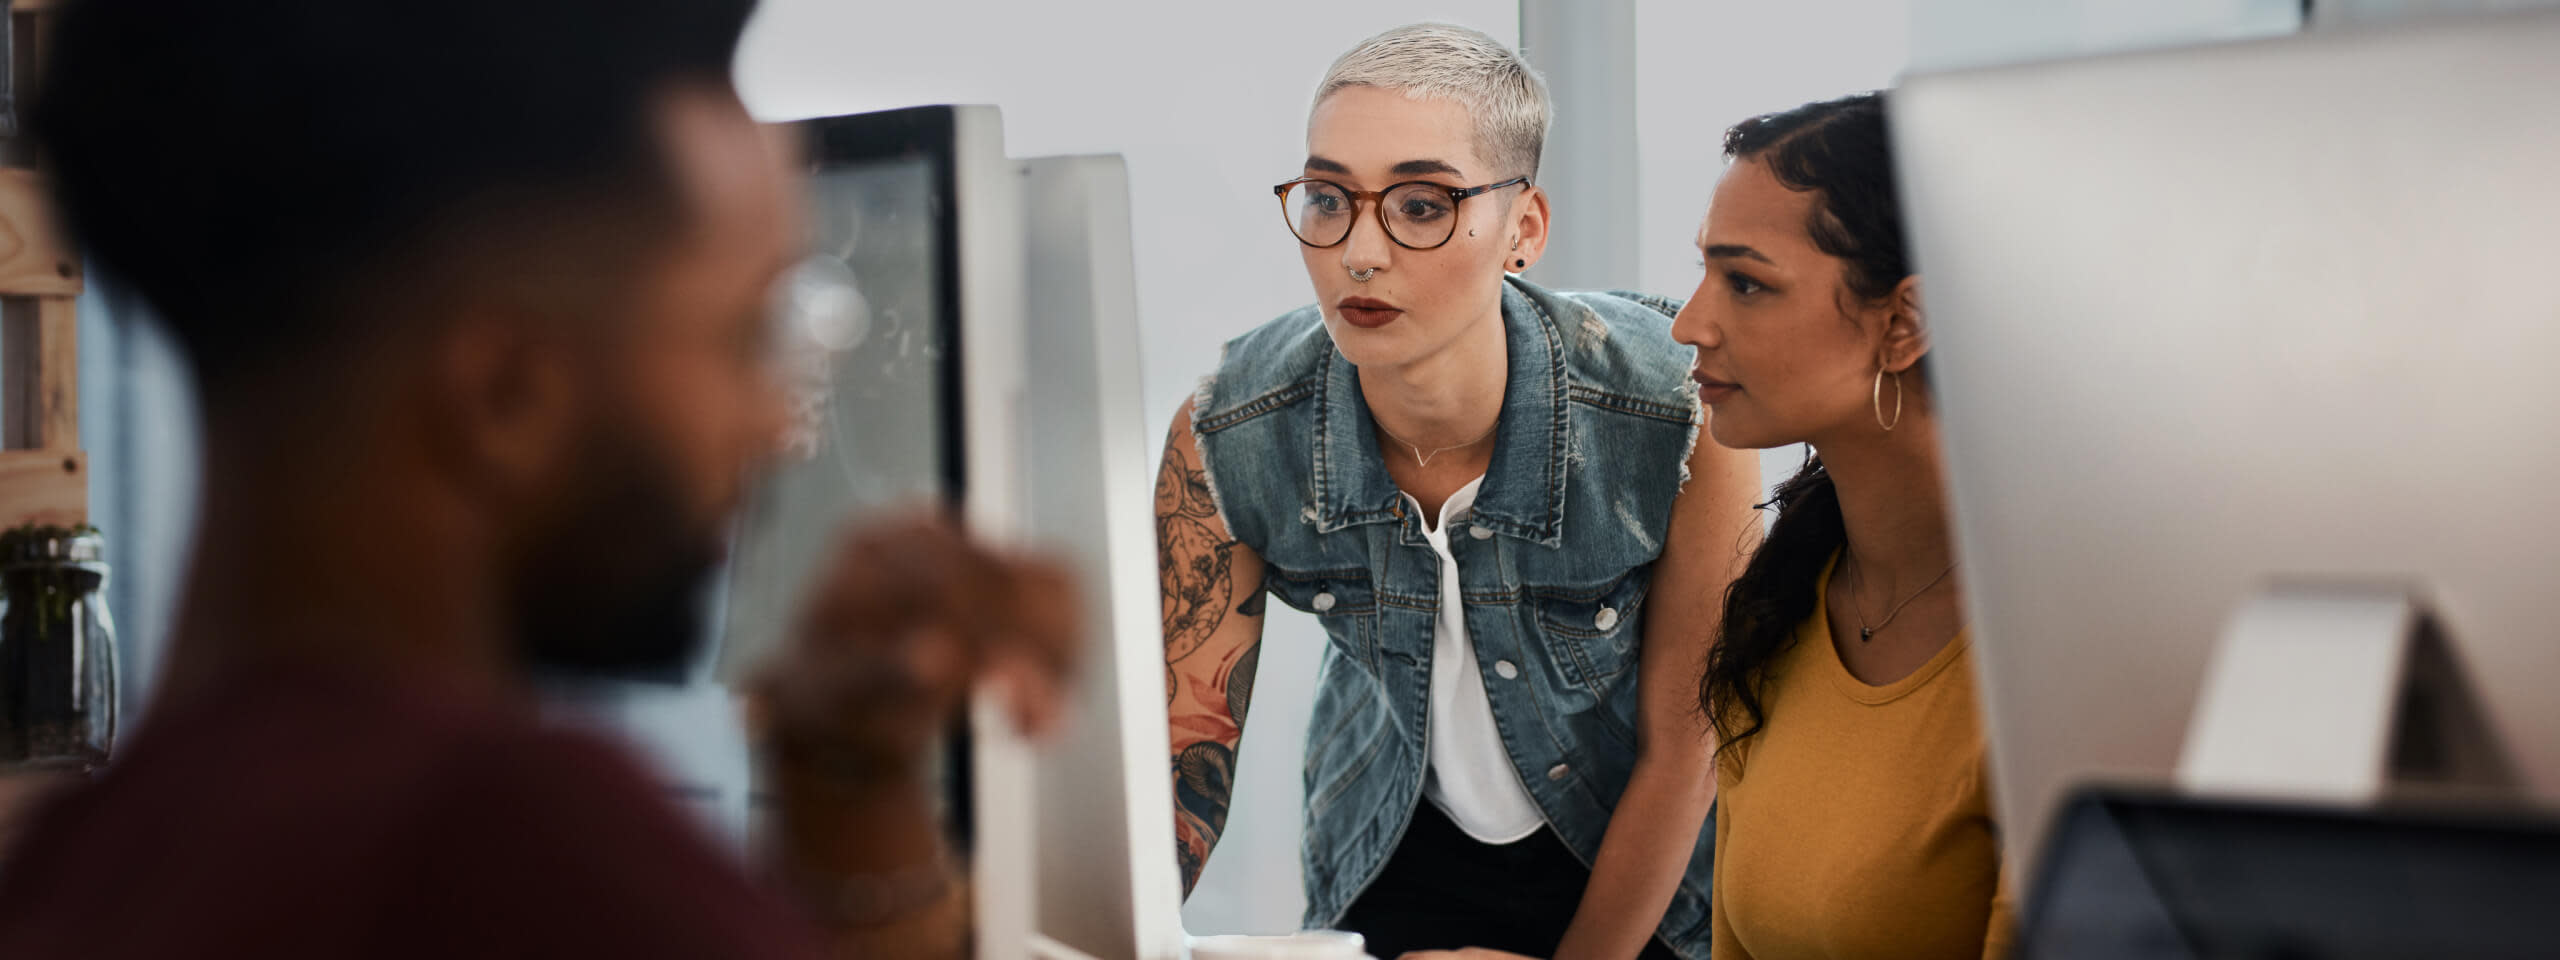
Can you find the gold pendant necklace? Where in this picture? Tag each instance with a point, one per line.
(1857, 578)
(1423, 459)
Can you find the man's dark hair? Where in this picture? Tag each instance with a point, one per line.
(269, 173)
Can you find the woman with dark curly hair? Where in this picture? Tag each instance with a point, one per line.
(1854, 814)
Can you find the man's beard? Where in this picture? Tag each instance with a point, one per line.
(613, 585)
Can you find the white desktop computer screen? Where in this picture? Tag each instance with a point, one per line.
(2216, 320)
(919, 376)
(1102, 823)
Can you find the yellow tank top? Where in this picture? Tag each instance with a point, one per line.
(1858, 823)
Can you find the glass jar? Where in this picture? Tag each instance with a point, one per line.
(57, 651)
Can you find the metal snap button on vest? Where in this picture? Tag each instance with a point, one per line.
(1506, 669)
(1607, 620)
(1479, 532)
(1308, 514)
(1558, 772)
(1323, 602)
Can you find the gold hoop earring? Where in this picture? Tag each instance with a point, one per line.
(1876, 396)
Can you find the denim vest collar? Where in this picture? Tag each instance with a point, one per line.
(1522, 498)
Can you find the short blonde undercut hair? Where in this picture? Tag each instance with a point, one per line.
(1507, 99)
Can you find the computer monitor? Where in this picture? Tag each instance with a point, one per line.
(868, 333)
(910, 351)
(2262, 331)
(1100, 814)
(902, 333)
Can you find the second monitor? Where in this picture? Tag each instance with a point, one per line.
(2218, 321)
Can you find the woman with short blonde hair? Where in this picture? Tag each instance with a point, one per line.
(1493, 497)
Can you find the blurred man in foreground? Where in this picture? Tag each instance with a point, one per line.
(474, 296)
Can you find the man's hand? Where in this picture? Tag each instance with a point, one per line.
(912, 617)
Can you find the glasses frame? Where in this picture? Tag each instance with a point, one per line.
(1376, 200)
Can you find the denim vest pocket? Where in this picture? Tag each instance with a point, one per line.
(1594, 632)
(1345, 601)
(1349, 731)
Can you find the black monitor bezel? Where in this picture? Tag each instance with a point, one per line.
(929, 133)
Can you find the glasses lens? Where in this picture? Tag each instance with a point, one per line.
(1319, 213)
(1421, 215)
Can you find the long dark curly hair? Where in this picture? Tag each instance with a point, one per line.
(1837, 150)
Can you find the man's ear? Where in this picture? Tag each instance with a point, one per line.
(503, 402)
(1906, 332)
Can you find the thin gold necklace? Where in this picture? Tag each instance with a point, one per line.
(1424, 459)
(1857, 578)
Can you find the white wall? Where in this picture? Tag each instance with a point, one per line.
(1208, 103)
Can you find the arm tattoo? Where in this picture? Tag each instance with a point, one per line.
(1204, 775)
(1197, 572)
(1197, 566)
(1203, 783)
(1184, 489)
(1240, 682)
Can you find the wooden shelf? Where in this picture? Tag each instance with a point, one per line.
(39, 374)
(33, 261)
(44, 486)
(43, 476)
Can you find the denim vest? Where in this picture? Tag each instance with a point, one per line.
(1597, 422)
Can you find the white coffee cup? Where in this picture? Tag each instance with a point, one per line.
(1304, 945)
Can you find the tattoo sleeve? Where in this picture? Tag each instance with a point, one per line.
(1212, 634)
(1192, 558)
